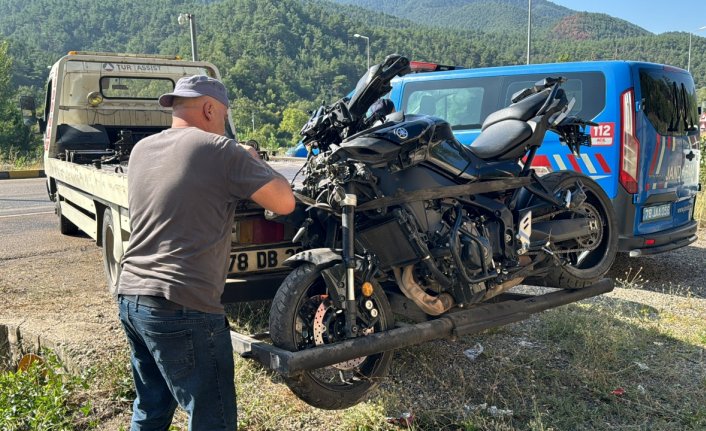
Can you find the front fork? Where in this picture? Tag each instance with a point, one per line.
(348, 244)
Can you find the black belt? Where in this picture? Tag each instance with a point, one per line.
(153, 301)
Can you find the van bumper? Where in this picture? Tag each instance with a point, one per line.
(667, 240)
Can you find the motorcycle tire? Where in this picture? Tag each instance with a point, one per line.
(598, 261)
(298, 305)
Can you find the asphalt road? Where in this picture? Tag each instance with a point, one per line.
(28, 225)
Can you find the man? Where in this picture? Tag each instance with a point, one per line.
(183, 185)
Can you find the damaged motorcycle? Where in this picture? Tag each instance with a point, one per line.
(397, 217)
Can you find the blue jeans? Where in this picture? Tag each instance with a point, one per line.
(182, 357)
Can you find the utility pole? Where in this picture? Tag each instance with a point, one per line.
(688, 62)
(367, 44)
(529, 29)
(183, 17)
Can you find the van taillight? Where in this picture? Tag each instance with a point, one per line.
(629, 145)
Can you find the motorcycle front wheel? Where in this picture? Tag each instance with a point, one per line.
(303, 316)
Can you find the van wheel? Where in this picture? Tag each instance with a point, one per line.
(111, 265)
(66, 227)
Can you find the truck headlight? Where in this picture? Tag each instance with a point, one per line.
(94, 98)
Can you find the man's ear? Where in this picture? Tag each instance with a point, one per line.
(208, 110)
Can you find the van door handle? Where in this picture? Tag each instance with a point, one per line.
(691, 155)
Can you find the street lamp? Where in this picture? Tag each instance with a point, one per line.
(688, 64)
(367, 41)
(529, 28)
(183, 18)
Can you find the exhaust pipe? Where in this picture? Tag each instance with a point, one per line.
(430, 304)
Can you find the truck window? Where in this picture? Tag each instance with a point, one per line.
(669, 100)
(120, 87)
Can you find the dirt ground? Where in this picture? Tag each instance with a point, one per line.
(61, 297)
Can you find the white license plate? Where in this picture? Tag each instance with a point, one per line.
(656, 212)
(265, 259)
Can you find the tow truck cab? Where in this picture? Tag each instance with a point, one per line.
(97, 107)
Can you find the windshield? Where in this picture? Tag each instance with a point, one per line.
(362, 83)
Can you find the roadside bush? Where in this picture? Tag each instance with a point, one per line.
(40, 398)
(16, 159)
(700, 210)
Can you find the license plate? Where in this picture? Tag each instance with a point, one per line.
(264, 259)
(656, 212)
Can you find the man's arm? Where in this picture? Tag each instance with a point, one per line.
(275, 196)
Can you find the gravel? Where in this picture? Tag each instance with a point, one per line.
(679, 272)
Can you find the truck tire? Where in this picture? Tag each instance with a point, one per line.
(111, 265)
(293, 316)
(66, 227)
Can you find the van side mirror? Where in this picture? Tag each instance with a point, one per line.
(698, 109)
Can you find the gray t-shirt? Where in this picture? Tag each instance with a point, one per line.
(183, 186)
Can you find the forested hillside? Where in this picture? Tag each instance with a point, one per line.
(504, 16)
(280, 57)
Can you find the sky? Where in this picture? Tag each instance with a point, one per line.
(657, 16)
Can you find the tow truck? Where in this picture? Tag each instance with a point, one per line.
(98, 106)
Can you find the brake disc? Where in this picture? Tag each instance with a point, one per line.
(325, 320)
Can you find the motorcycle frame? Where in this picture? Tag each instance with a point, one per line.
(506, 215)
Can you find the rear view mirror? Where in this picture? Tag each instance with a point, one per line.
(28, 106)
(27, 103)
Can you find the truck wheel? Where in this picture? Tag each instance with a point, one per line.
(111, 265)
(584, 268)
(66, 227)
(303, 316)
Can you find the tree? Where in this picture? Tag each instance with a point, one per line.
(14, 134)
(701, 96)
(292, 121)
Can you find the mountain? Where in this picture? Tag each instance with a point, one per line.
(505, 16)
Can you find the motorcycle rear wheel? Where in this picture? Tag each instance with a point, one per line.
(302, 316)
(582, 271)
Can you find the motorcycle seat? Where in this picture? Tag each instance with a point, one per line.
(522, 110)
(502, 140)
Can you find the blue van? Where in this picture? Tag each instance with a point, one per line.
(645, 148)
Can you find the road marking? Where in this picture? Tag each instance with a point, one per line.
(26, 214)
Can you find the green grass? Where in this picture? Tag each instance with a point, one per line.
(555, 371)
(42, 397)
(14, 159)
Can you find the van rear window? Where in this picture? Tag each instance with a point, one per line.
(466, 102)
(669, 100)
